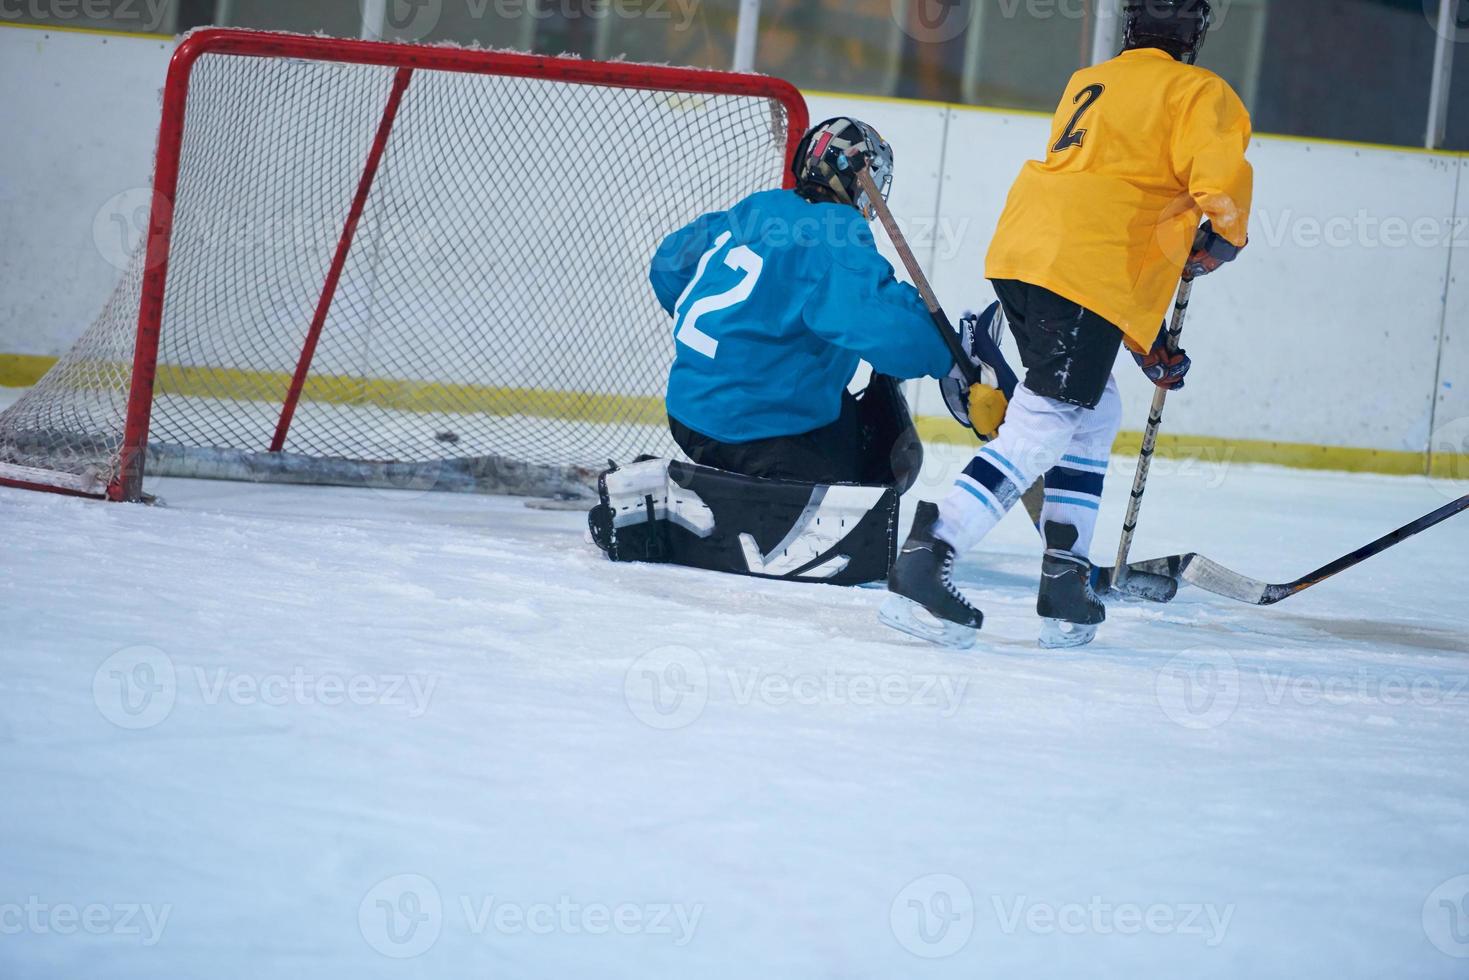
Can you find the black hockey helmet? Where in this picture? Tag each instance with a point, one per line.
(1176, 26)
(824, 173)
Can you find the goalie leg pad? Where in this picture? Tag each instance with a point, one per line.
(680, 513)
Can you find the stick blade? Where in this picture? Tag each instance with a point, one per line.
(1213, 577)
(1150, 581)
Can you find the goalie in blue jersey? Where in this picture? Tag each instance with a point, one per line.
(775, 302)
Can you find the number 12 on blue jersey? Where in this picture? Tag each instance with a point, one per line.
(740, 259)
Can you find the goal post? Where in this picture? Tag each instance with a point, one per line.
(401, 265)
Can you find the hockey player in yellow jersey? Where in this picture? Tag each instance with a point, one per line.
(1141, 147)
(1089, 249)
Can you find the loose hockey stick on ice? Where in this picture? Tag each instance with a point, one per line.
(1034, 498)
(1214, 577)
(1150, 440)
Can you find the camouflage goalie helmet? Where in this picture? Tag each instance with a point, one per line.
(824, 171)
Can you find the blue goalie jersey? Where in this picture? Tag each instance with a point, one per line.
(774, 302)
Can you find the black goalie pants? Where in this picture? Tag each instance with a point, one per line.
(873, 441)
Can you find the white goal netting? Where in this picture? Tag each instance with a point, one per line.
(494, 305)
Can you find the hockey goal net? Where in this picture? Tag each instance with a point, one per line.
(398, 265)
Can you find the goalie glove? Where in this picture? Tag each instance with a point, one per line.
(980, 407)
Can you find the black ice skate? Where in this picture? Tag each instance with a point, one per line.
(1070, 610)
(925, 603)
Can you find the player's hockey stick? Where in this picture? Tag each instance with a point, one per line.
(1034, 498)
(1150, 439)
(1213, 577)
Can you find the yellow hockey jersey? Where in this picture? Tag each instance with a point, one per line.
(1142, 148)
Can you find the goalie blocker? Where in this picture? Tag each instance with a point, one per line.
(837, 532)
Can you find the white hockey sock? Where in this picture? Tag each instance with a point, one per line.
(1074, 496)
(1035, 434)
(1074, 484)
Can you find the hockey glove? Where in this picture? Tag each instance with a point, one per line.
(980, 407)
(1211, 250)
(1164, 368)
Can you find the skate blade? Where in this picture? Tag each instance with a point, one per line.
(1058, 635)
(907, 616)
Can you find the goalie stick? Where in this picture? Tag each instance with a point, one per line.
(1034, 498)
(1213, 577)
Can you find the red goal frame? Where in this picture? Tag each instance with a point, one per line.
(406, 58)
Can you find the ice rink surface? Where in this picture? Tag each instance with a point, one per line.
(273, 732)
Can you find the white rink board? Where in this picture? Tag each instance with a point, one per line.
(1451, 421)
(1310, 339)
(81, 118)
(985, 151)
(1304, 340)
